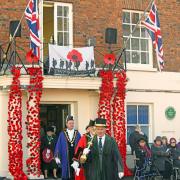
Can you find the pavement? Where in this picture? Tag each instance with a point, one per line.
(130, 164)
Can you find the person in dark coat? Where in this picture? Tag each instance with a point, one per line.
(135, 136)
(142, 152)
(165, 142)
(161, 158)
(104, 161)
(175, 152)
(48, 143)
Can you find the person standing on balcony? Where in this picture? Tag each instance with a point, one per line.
(65, 148)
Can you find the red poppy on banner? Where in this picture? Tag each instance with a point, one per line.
(109, 59)
(75, 56)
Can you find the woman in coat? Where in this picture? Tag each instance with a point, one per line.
(175, 152)
(160, 158)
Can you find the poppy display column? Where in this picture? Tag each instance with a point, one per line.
(118, 116)
(15, 128)
(106, 92)
(33, 123)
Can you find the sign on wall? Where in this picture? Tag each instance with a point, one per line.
(71, 61)
(170, 113)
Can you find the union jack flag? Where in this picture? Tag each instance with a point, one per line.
(32, 17)
(152, 24)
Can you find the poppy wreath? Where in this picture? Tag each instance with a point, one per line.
(15, 128)
(118, 117)
(33, 121)
(106, 92)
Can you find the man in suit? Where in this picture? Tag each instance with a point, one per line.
(104, 161)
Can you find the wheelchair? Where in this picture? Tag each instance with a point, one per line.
(146, 172)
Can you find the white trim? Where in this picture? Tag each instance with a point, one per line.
(56, 4)
(150, 125)
(41, 32)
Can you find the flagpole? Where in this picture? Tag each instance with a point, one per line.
(125, 43)
(12, 38)
(143, 15)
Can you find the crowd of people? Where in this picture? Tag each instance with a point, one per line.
(164, 154)
(92, 156)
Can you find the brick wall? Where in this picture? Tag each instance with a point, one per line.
(92, 17)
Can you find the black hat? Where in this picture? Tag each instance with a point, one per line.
(69, 118)
(100, 122)
(91, 123)
(50, 128)
(141, 139)
(158, 138)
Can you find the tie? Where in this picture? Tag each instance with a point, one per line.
(100, 144)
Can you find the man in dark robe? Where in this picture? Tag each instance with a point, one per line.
(104, 161)
(65, 148)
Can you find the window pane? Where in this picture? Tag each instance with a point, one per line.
(60, 24)
(145, 130)
(131, 114)
(145, 57)
(134, 44)
(135, 18)
(59, 11)
(66, 39)
(130, 129)
(135, 57)
(128, 43)
(128, 57)
(143, 114)
(66, 24)
(66, 11)
(126, 30)
(136, 32)
(144, 33)
(144, 45)
(60, 38)
(126, 17)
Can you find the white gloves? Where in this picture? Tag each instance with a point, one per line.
(86, 151)
(57, 160)
(77, 171)
(120, 174)
(75, 165)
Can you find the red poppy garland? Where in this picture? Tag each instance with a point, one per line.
(118, 116)
(106, 92)
(33, 121)
(31, 58)
(15, 128)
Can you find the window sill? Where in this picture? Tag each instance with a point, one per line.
(135, 67)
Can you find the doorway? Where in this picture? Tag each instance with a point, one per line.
(54, 115)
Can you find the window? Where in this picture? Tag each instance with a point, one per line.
(137, 114)
(63, 24)
(139, 46)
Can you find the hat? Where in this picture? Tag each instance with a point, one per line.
(69, 118)
(141, 139)
(50, 128)
(158, 138)
(100, 122)
(91, 123)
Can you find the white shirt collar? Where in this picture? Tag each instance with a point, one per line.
(70, 133)
(103, 139)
